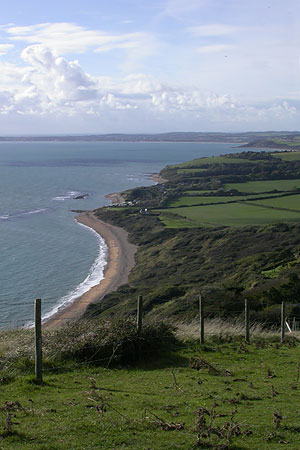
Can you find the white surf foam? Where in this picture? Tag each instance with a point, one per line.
(67, 196)
(22, 213)
(95, 275)
(34, 211)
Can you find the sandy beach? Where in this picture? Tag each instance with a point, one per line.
(120, 263)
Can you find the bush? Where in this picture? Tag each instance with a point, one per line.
(107, 342)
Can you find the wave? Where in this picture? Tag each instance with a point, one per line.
(67, 196)
(95, 275)
(22, 214)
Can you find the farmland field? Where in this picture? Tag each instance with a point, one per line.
(265, 186)
(214, 160)
(196, 200)
(289, 202)
(233, 214)
(287, 156)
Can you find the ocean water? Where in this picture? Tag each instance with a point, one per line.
(44, 252)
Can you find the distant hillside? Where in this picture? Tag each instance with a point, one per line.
(236, 138)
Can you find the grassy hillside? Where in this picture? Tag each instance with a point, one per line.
(224, 242)
(221, 395)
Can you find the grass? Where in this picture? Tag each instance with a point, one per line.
(175, 221)
(196, 200)
(224, 394)
(217, 328)
(188, 170)
(288, 156)
(265, 186)
(212, 160)
(197, 192)
(232, 214)
(289, 202)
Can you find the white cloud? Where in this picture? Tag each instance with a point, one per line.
(4, 48)
(51, 86)
(71, 38)
(215, 48)
(214, 30)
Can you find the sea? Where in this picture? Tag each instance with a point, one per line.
(44, 252)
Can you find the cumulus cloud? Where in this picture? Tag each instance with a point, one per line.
(50, 85)
(56, 79)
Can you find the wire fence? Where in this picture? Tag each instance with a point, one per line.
(63, 315)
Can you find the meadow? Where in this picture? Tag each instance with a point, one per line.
(197, 200)
(232, 214)
(265, 185)
(224, 394)
(199, 162)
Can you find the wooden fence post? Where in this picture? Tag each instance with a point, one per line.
(247, 328)
(282, 321)
(139, 322)
(38, 340)
(201, 318)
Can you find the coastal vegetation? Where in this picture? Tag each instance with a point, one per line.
(174, 393)
(238, 239)
(228, 229)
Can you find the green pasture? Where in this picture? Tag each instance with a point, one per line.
(232, 214)
(288, 143)
(190, 201)
(196, 200)
(265, 186)
(176, 221)
(199, 162)
(289, 202)
(288, 156)
(159, 406)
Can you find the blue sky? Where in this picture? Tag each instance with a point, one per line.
(140, 66)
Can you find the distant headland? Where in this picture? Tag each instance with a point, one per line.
(263, 139)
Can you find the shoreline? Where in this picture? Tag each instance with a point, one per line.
(115, 197)
(121, 260)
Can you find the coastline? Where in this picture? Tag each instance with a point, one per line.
(156, 178)
(121, 260)
(115, 197)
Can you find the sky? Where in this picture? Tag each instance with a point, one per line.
(140, 66)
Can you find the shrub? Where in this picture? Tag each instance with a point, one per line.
(107, 342)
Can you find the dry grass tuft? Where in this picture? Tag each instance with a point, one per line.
(222, 329)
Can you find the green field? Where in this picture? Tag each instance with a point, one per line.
(288, 156)
(288, 202)
(190, 201)
(158, 405)
(265, 186)
(232, 214)
(213, 160)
